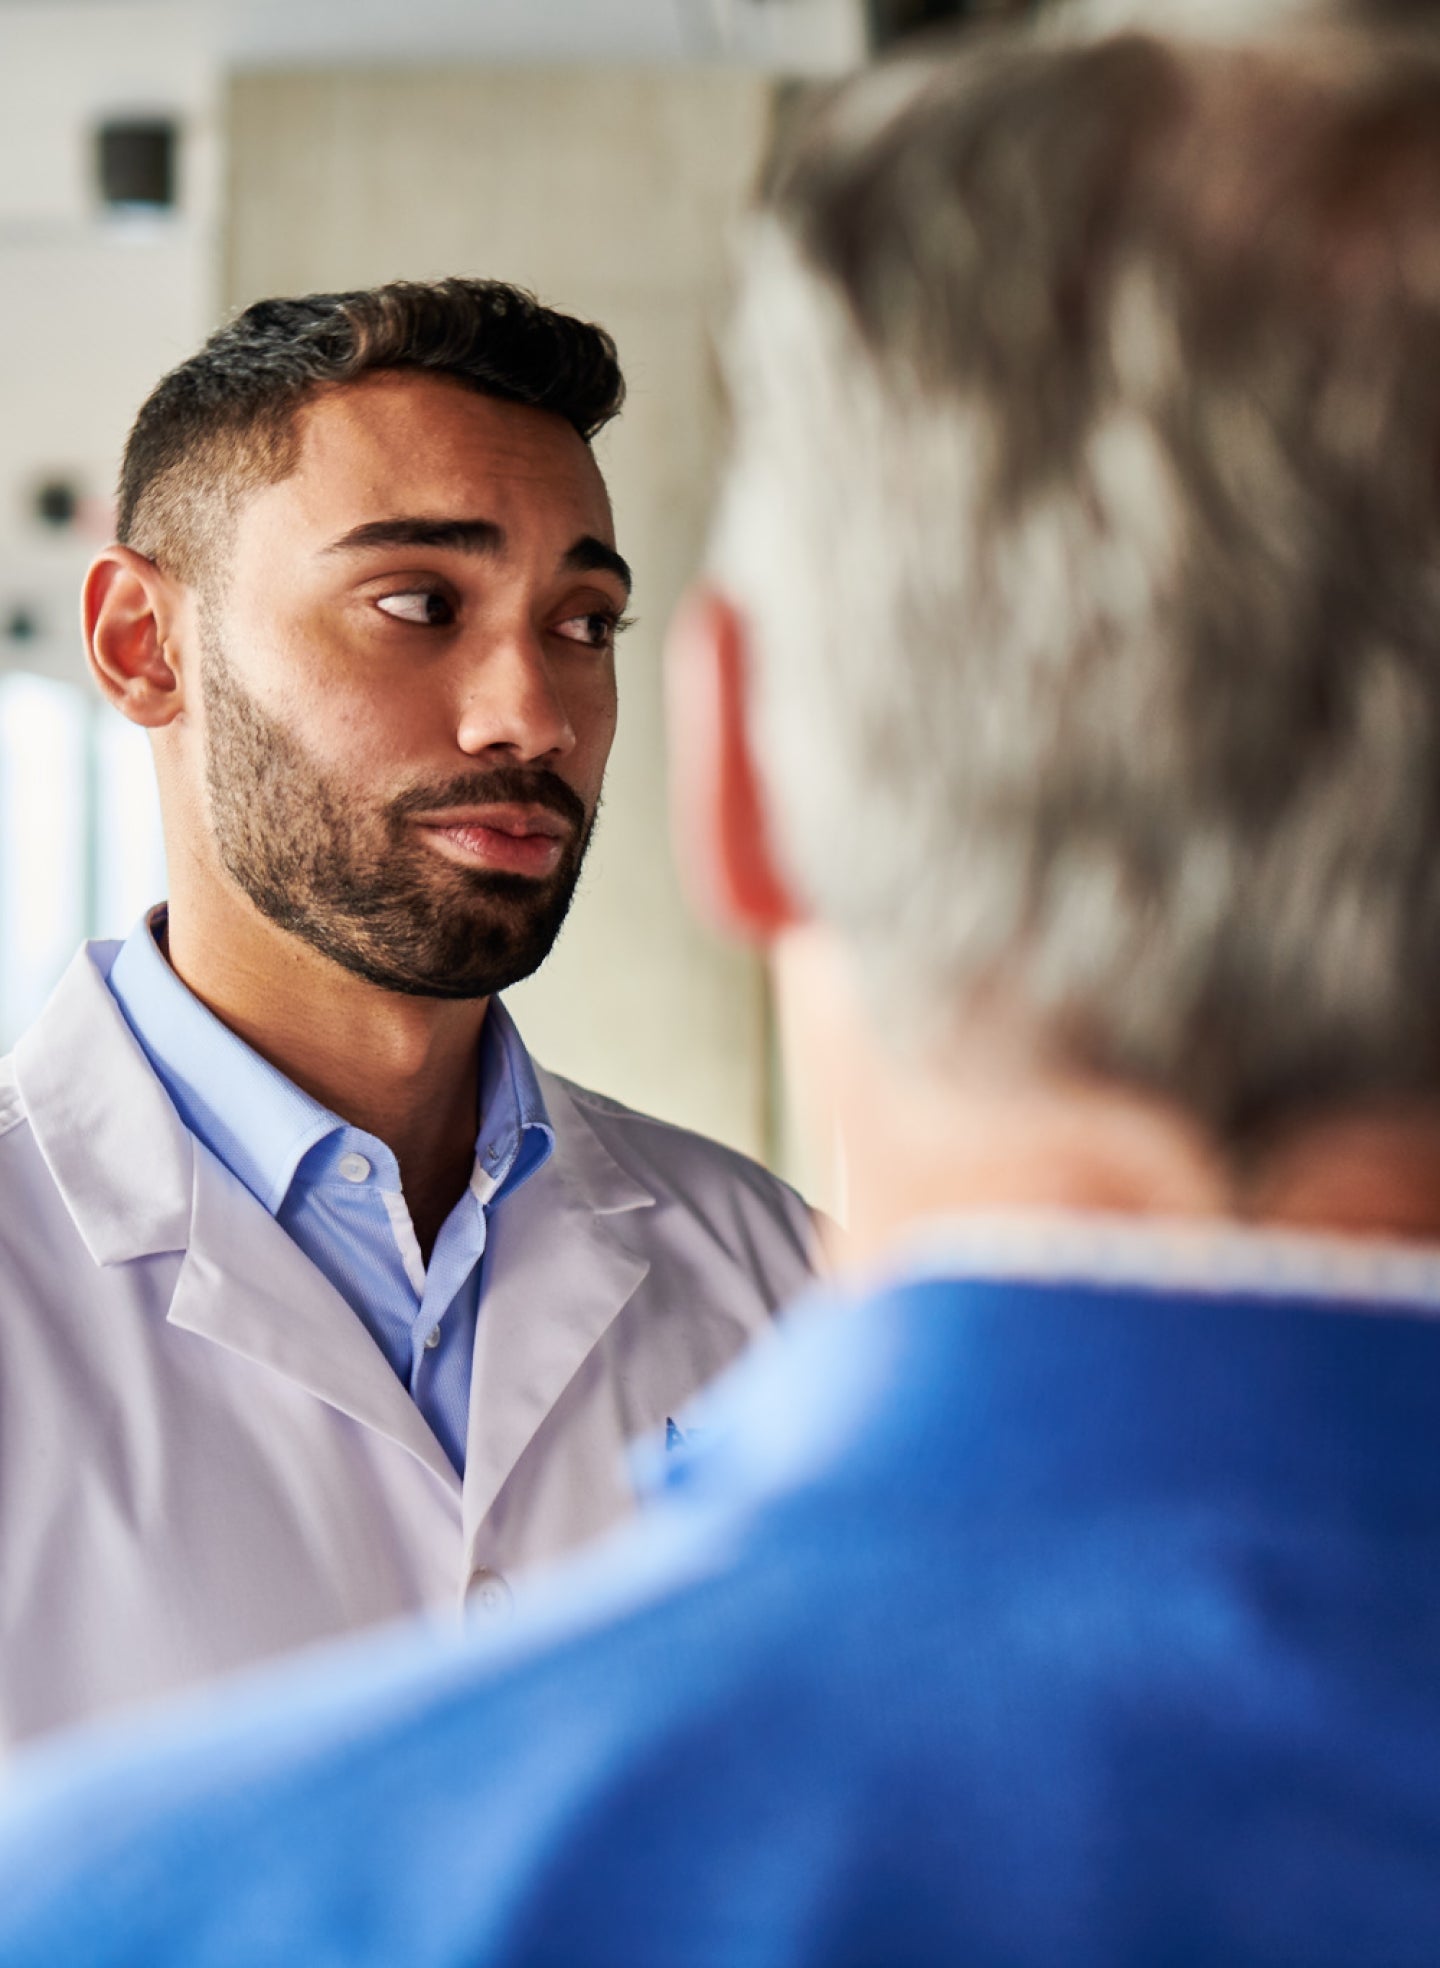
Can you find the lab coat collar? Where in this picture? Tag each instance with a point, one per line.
(561, 1265)
(137, 1183)
(121, 1156)
(248, 1286)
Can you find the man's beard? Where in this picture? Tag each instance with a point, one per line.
(355, 881)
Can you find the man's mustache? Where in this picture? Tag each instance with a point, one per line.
(501, 785)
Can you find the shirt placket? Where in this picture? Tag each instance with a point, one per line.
(458, 1250)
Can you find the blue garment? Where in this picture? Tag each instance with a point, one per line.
(1041, 1625)
(336, 1189)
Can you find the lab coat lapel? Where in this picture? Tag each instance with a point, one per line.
(137, 1184)
(559, 1268)
(247, 1286)
(115, 1146)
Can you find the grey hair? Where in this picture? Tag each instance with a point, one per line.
(1085, 502)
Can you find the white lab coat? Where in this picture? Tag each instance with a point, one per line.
(204, 1457)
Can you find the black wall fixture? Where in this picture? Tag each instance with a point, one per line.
(892, 20)
(135, 158)
(55, 503)
(19, 623)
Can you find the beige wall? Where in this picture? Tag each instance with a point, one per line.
(95, 305)
(610, 194)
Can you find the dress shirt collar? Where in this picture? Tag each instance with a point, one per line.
(516, 1135)
(262, 1126)
(257, 1122)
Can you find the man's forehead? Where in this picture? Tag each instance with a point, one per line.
(394, 442)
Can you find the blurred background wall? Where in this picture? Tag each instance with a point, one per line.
(163, 163)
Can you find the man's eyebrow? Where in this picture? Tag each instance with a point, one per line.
(480, 536)
(592, 556)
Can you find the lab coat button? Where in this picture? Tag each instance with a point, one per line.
(354, 1168)
(432, 1339)
(488, 1594)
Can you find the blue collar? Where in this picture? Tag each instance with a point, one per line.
(262, 1126)
(516, 1134)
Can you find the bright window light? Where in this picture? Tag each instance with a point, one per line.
(44, 815)
(81, 853)
(129, 850)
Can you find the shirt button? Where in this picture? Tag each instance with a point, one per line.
(488, 1594)
(354, 1168)
(432, 1339)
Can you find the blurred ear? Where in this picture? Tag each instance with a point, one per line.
(129, 611)
(723, 834)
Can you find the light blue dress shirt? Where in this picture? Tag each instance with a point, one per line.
(336, 1189)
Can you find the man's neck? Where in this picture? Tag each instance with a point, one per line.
(404, 1069)
(1366, 1173)
(997, 1123)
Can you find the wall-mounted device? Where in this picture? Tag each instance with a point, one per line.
(892, 20)
(55, 503)
(19, 623)
(135, 163)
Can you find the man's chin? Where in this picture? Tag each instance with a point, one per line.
(451, 981)
(465, 958)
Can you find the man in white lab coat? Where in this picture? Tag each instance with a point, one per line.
(319, 1301)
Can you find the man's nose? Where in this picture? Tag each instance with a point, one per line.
(511, 701)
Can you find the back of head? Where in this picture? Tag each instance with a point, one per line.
(1086, 505)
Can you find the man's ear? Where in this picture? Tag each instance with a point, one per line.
(723, 831)
(129, 613)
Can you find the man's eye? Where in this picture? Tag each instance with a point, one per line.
(596, 630)
(425, 606)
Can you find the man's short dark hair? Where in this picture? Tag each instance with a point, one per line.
(223, 423)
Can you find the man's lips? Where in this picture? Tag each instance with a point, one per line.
(512, 839)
